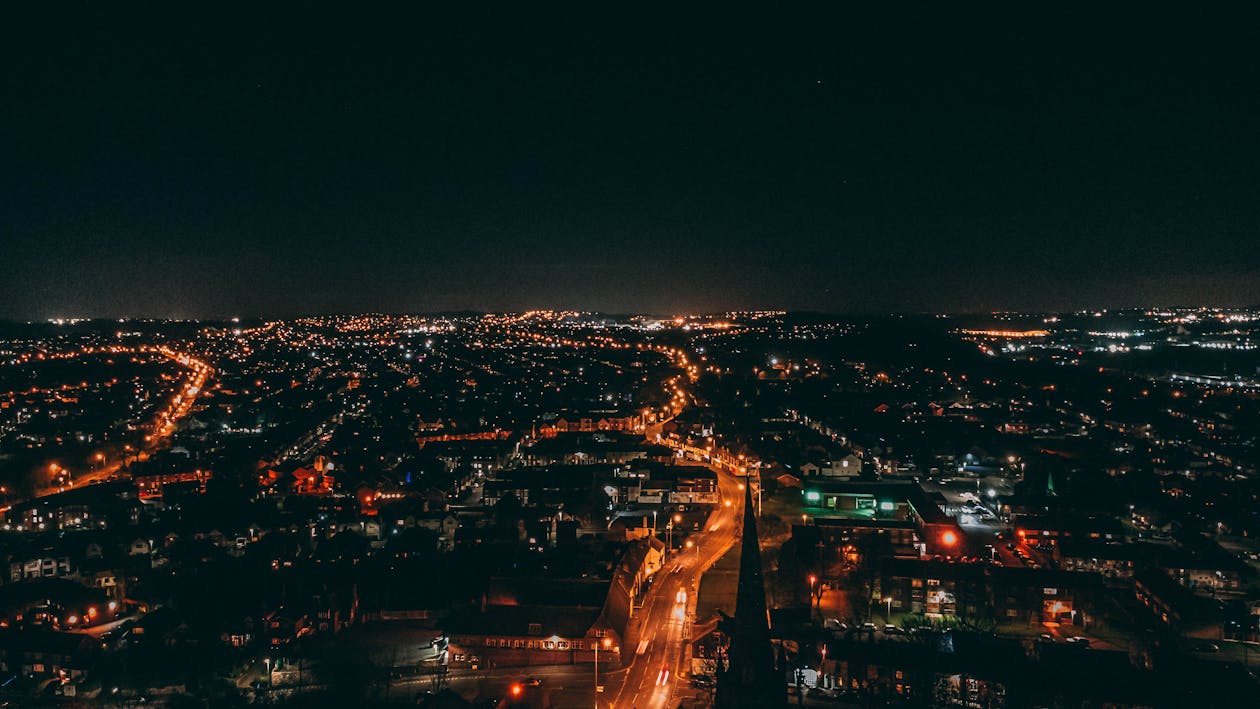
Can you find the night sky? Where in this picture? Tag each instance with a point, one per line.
(249, 161)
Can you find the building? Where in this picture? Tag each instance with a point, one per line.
(749, 675)
(47, 653)
(894, 507)
(524, 622)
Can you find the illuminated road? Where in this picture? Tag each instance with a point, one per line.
(164, 423)
(659, 631)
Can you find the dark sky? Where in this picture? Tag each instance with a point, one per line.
(253, 161)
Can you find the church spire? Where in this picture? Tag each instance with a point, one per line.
(750, 678)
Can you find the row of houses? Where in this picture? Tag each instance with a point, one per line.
(554, 621)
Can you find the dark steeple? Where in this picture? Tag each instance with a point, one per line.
(750, 678)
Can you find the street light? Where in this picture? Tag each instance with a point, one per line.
(607, 643)
(888, 614)
(270, 681)
(814, 598)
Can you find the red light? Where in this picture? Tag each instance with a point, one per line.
(517, 690)
(949, 539)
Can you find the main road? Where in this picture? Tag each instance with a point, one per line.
(654, 651)
(656, 640)
(164, 423)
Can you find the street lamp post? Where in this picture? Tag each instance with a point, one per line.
(669, 532)
(606, 642)
(758, 490)
(813, 598)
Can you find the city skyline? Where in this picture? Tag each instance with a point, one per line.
(469, 356)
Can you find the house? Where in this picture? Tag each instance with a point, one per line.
(938, 588)
(109, 581)
(161, 627)
(843, 468)
(1111, 560)
(41, 567)
(47, 653)
(640, 561)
